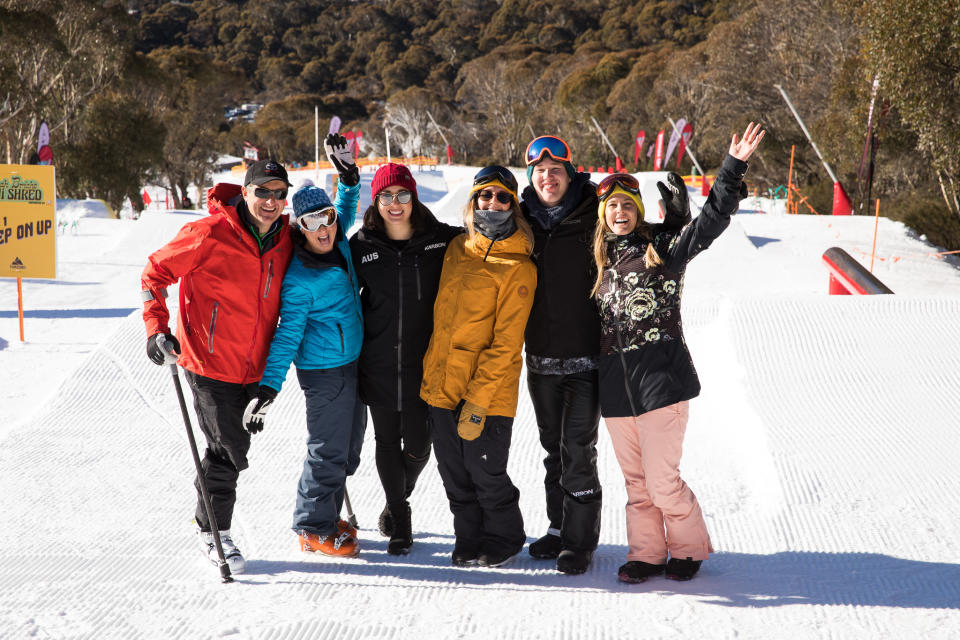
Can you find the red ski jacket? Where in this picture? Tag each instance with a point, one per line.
(229, 293)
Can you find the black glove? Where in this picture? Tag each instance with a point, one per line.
(676, 202)
(341, 156)
(163, 348)
(257, 409)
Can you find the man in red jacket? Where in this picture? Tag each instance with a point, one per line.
(230, 266)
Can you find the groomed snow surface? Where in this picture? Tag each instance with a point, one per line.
(824, 450)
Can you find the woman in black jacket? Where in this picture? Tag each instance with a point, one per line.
(646, 374)
(398, 255)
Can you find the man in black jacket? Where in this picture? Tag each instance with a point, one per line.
(562, 346)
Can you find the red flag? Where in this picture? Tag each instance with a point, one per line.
(638, 145)
(684, 139)
(658, 154)
(146, 198)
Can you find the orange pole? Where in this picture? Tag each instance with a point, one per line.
(20, 305)
(790, 182)
(876, 223)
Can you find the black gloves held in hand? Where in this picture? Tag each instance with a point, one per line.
(257, 408)
(340, 155)
(676, 202)
(163, 348)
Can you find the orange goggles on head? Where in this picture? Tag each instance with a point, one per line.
(623, 180)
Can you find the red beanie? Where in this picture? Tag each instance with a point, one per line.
(391, 174)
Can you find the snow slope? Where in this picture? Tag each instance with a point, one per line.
(823, 450)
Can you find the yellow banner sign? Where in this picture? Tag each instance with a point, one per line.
(28, 228)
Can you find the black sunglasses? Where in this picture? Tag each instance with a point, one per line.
(277, 194)
(502, 197)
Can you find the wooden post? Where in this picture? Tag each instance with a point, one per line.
(876, 223)
(20, 305)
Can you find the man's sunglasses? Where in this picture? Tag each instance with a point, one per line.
(502, 197)
(403, 197)
(316, 219)
(623, 180)
(277, 194)
(549, 145)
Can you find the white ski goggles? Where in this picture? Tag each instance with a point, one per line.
(316, 219)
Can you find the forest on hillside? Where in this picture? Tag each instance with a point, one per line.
(135, 91)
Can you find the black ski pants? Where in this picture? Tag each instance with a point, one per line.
(403, 448)
(484, 501)
(568, 416)
(219, 407)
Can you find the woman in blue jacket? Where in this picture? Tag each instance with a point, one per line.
(321, 332)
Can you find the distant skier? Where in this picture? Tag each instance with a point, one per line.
(321, 332)
(229, 265)
(471, 370)
(646, 373)
(398, 255)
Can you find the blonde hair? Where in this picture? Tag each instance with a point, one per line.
(522, 225)
(650, 259)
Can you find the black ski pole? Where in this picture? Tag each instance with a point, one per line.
(352, 519)
(207, 505)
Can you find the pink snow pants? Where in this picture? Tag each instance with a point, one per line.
(648, 448)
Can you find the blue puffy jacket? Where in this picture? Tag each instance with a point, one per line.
(321, 325)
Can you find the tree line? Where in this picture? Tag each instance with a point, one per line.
(135, 91)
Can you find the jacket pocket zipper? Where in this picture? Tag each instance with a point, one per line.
(213, 326)
(266, 290)
(340, 330)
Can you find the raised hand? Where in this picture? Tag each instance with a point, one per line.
(340, 154)
(676, 202)
(744, 148)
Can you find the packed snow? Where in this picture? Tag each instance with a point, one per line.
(823, 451)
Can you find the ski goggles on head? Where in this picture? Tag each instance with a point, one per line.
(316, 219)
(623, 180)
(277, 194)
(386, 199)
(495, 173)
(550, 145)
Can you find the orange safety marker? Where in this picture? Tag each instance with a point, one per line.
(876, 223)
(20, 305)
(791, 205)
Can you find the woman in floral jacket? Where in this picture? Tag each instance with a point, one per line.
(646, 373)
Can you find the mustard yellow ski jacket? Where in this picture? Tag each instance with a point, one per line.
(478, 323)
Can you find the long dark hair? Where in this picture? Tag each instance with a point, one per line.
(420, 216)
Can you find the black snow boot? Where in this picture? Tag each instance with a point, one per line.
(546, 548)
(682, 569)
(635, 572)
(573, 561)
(385, 522)
(402, 538)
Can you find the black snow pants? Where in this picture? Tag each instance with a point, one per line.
(219, 407)
(568, 416)
(484, 501)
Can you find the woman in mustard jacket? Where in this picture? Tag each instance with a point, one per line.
(472, 368)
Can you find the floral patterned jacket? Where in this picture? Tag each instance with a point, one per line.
(644, 361)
